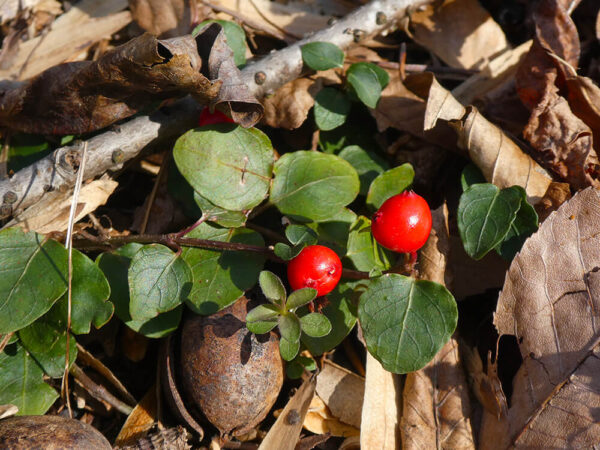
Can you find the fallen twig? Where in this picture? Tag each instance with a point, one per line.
(109, 150)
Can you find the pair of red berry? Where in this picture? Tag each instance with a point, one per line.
(401, 224)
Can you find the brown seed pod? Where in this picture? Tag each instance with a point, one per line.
(49, 432)
(230, 374)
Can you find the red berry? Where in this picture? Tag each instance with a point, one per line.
(402, 223)
(316, 267)
(208, 118)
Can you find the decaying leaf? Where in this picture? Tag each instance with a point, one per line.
(436, 408)
(52, 213)
(171, 18)
(556, 195)
(563, 141)
(380, 410)
(140, 420)
(550, 302)
(84, 96)
(500, 159)
(461, 32)
(341, 390)
(284, 434)
(319, 420)
(288, 108)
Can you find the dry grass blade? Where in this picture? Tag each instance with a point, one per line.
(551, 303)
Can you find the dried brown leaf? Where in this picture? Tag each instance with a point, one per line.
(550, 303)
(584, 100)
(564, 142)
(80, 97)
(140, 420)
(288, 108)
(436, 408)
(461, 32)
(556, 195)
(380, 410)
(319, 420)
(340, 389)
(501, 161)
(168, 18)
(285, 432)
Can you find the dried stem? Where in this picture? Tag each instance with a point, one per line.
(99, 392)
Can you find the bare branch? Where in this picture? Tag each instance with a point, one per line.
(109, 150)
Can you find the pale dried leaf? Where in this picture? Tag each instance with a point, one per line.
(461, 32)
(319, 420)
(380, 410)
(500, 159)
(285, 432)
(433, 256)
(584, 100)
(8, 410)
(93, 21)
(140, 420)
(52, 212)
(551, 303)
(341, 390)
(562, 140)
(288, 108)
(10, 8)
(168, 18)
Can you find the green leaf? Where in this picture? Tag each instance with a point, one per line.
(25, 149)
(524, 225)
(315, 325)
(341, 312)
(21, 382)
(300, 234)
(159, 281)
(220, 278)
(313, 186)
(181, 191)
(263, 313)
(367, 165)
(287, 349)
(331, 108)
(405, 322)
(368, 81)
(47, 344)
(89, 304)
(236, 38)
(471, 175)
(115, 267)
(272, 287)
(363, 250)
(261, 326)
(223, 217)
(289, 327)
(286, 252)
(485, 214)
(228, 165)
(390, 183)
(295, 368)
(300, 298)
(33, 277)
(322, 55)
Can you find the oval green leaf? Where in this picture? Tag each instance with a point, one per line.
(313, 186)
(525, 224)
(405, 322)
(159, 281)
(222, 217)
(301, 235)
(300, 298)
(272, 287)
(287, 349)
(363, 250)
(262, 313)
(322, 55)
(367, 165)
(34, 277)
(390, 183)
(228, 165)
(331, 108)
(22, 384)
(315, 325)
(368, 81)
(289, 327)
(485, 214)
(220, 278)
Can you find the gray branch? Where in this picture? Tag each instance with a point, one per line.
(110, 149)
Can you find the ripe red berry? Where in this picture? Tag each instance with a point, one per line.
(208, 118)
(317, 267)
(402, 223)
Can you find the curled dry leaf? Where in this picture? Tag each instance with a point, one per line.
(551, 303)
(319, 420)
(172, 17)
(380, 410)
(436, 408)
(461, 32)
(499, 158)
(84, 96)
(564, 142)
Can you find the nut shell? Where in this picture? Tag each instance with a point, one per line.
(230, 374)
(49, 433)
